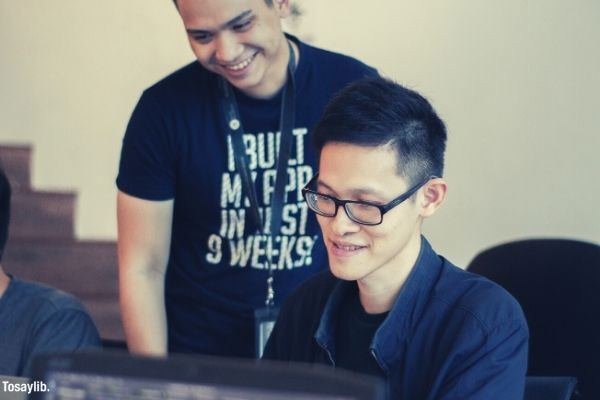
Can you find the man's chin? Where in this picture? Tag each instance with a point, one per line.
(345, 271)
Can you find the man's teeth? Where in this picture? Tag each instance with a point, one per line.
(240, 66)
(348, 248)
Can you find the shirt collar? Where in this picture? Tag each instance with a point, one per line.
(408, 307)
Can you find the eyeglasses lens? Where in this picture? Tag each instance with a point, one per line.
(358, 212)
(321, 204)
(364, 213)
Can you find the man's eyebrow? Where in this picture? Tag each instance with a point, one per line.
(235, 20)
(356, 191)
(326, 186)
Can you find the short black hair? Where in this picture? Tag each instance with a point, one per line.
(4, 210)
(376, 112)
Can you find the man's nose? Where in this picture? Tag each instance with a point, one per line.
(228, 49)
(341, 224)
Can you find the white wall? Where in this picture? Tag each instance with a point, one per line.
(517, 82)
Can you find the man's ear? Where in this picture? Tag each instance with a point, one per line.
(433, 196)
(283, 8)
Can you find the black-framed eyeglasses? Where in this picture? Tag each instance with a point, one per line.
(362, 212)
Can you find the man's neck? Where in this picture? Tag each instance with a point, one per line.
(4, 281)
(379, 292)
(277, 74)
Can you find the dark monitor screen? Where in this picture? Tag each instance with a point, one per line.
(105, 376)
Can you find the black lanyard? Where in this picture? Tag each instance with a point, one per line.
(236, 132)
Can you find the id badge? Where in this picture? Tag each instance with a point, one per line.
(264, 321)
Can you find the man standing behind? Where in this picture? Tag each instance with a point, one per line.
(192, 267)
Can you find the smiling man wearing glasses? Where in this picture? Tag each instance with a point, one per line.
(390, 306)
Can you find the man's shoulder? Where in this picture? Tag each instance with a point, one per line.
(465, 293)
(312, 293)
(337, 58)
(335, 65)
(189, 78)
(43, 319)
(43, 298)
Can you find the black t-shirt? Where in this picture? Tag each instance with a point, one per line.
(354, 333)
(176, 147)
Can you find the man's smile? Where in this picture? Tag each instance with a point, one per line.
(240, 65)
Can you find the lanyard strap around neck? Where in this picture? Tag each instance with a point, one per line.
(236, 132)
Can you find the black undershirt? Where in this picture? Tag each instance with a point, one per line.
(353, 336)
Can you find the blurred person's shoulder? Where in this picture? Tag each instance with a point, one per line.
(42, 297)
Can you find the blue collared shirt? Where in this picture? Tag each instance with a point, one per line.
(449, 335)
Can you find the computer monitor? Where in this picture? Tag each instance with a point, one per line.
(112, 376)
